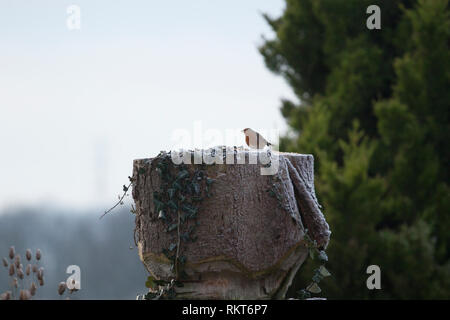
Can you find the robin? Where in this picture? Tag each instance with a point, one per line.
(254, 140)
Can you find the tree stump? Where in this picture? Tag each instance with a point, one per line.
(249, 232)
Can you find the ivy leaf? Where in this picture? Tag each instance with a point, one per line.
(172, 204)
(172, 246)
(209, 181)
(151, 296)
(313, 288)
(316, 278)
(182, 259)
(323, 256)
(182, 174)
(196, 187)
(192, 211)
(176, 185)
(324, 272)
(188, 189)
(171, 192)
(303, 294)
(172, 227)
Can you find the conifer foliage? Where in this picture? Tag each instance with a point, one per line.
(373, 108)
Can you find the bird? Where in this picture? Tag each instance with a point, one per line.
(254, 140)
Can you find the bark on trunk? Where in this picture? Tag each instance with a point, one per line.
(249, 232)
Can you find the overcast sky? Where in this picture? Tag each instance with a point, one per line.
(77, 106)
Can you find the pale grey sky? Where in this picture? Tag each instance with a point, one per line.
(78, 106)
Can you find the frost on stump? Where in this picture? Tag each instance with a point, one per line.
(249, 232)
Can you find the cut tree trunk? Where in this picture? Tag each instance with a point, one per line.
(250, 232)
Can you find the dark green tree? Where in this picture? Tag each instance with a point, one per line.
(373, 108)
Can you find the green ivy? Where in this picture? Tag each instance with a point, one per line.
(319, 273)
(175, 204)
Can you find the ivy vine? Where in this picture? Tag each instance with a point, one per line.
(319, 273)
(176, 204)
